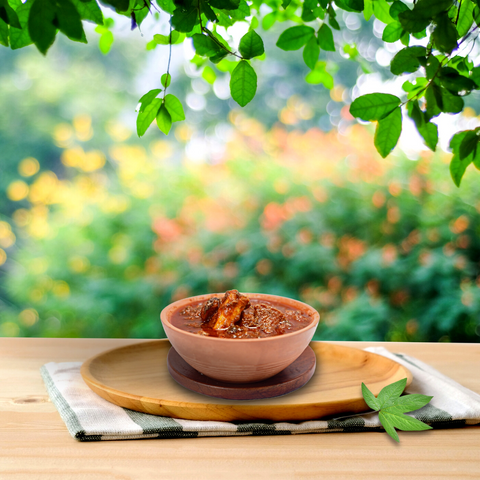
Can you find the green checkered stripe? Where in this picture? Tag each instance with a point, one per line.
(91, 418)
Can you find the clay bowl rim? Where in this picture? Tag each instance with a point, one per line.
(206, 296)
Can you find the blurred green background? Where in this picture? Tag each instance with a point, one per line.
(100, 230)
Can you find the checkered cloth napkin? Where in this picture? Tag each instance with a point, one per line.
(91, 418)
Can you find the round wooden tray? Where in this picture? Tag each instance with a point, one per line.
(287, 381)
(136, 377)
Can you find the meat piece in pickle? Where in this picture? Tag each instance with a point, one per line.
(209, 309)
(230, 310)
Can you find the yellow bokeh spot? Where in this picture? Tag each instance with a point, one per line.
(118, 254)
(86, 161)
(9, 329)
(118, 131)
(3, 257)
(45, 188)
(17, 190)
(7, 241)
(38, 265)
(336, 94)
(83, 127)
(161, 149)
(36, 295)
(63, 135)
(21, 217)
(28, 317)
(79, 264)
(5, 229)
(28, 167)
(183, 133)
(61, 289)
(469, 112)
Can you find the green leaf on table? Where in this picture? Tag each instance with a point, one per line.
(445, 34)
(164, 120)
(175, 108)
(294, 38)
(325, 38)
(392, 407)
(8, 14)
(370, 398)
(392, 32)
(388, 132)
(205, 46)
(311, 53)
(243, 83)
(41, 24)
(251, 45)
(407, 60)
(374, 106)
(147, 115)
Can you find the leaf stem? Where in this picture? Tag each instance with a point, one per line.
(355, 415)
(169, 59)
(205, 30)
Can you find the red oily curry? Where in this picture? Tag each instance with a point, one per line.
(236, 316)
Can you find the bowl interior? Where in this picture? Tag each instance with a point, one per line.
(168, 311)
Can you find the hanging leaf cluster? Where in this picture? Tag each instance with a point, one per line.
(435, 35)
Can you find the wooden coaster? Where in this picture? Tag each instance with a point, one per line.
(292, 378)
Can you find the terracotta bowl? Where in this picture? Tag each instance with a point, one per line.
(238, 360)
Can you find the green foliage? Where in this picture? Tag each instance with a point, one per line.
(446, 26)
(391, 408)
(388, 132)
(243, 83)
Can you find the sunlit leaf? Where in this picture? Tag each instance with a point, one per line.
(392, 32)
(40, 24)
(325, 38)
(374, 106)
(164, 120)
(311, 53)
(251, 45)
(147, 115)
(243, 83)
(175, 108)
(388, 132)
(295, 37)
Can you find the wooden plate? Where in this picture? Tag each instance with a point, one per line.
(136, 377)
(287, 381)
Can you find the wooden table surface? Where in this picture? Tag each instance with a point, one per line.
(35, 444)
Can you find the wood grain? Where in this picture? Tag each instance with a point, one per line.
(287, 381)
(136, 377)
(35, 444)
